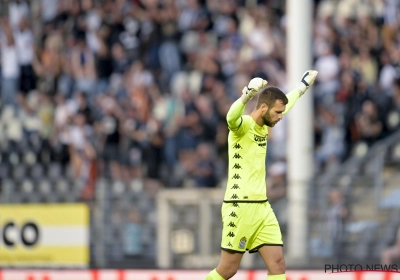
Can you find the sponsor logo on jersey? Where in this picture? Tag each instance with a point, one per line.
(258, 138)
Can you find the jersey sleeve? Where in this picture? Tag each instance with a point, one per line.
(234, 115)
(244, 126)
(292, 97)
(237, 123)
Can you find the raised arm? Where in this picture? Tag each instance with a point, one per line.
(234, 115)
(306, 81)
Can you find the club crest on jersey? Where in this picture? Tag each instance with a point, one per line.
(242, 243)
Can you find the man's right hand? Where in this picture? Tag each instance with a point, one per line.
(251, 90)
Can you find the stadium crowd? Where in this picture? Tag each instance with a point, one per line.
(139, 89)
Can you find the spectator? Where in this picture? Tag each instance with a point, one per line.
(24, 42)
(276, 187)
(83, 68)
(17, 10)
(133, 234)
(336, 222)
(9, 65)
(141, 88)
(368, 124)
(392, 253)
(204, 169)
(109, 128)
(328, 65)
(331, 148)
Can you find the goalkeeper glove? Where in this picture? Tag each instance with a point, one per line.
(307, 80)
(251, 90)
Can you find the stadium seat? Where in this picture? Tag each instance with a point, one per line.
(37, 171)
(62, 186)
(360, 149)
(5, 170)
(19, 171)
(54, 171)
(118, 189)
(27, 186)
(29, 157)
(44, 186)
(395, 153)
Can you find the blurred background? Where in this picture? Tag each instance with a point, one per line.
(120, 105)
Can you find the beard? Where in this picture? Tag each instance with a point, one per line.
(268, 120)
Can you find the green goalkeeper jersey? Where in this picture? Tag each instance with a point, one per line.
(247, 144)
(246, 172)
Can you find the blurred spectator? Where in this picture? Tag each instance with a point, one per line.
(48, 64)
(276, 185)
(24, 42)
(387, 74)
(9, 65)
(392, 254)
(109, 128)
(155, 78)
(393, 112)
(336, 222)
(204, 168)
(132, 244)
(81, 149)
(138, 91)
(327, 66)
(83, 68)
(331, 148)
(17, 10)
(369, 126)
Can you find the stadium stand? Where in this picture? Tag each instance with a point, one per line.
(110, 102)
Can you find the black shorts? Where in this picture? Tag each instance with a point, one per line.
(110, 152)
(27, 79)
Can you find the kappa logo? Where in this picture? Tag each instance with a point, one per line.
(235, 204)
(229, 245)
(242, 242)
(235, 187)
(231, 224)
(237, 146)
(237, 166)
(233, 214)
(236, 176)
(237, 156)
(234, 196)
(231, 234)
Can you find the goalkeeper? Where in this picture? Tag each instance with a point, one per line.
(249, 223)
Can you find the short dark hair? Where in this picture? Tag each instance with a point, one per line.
(269, 96)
